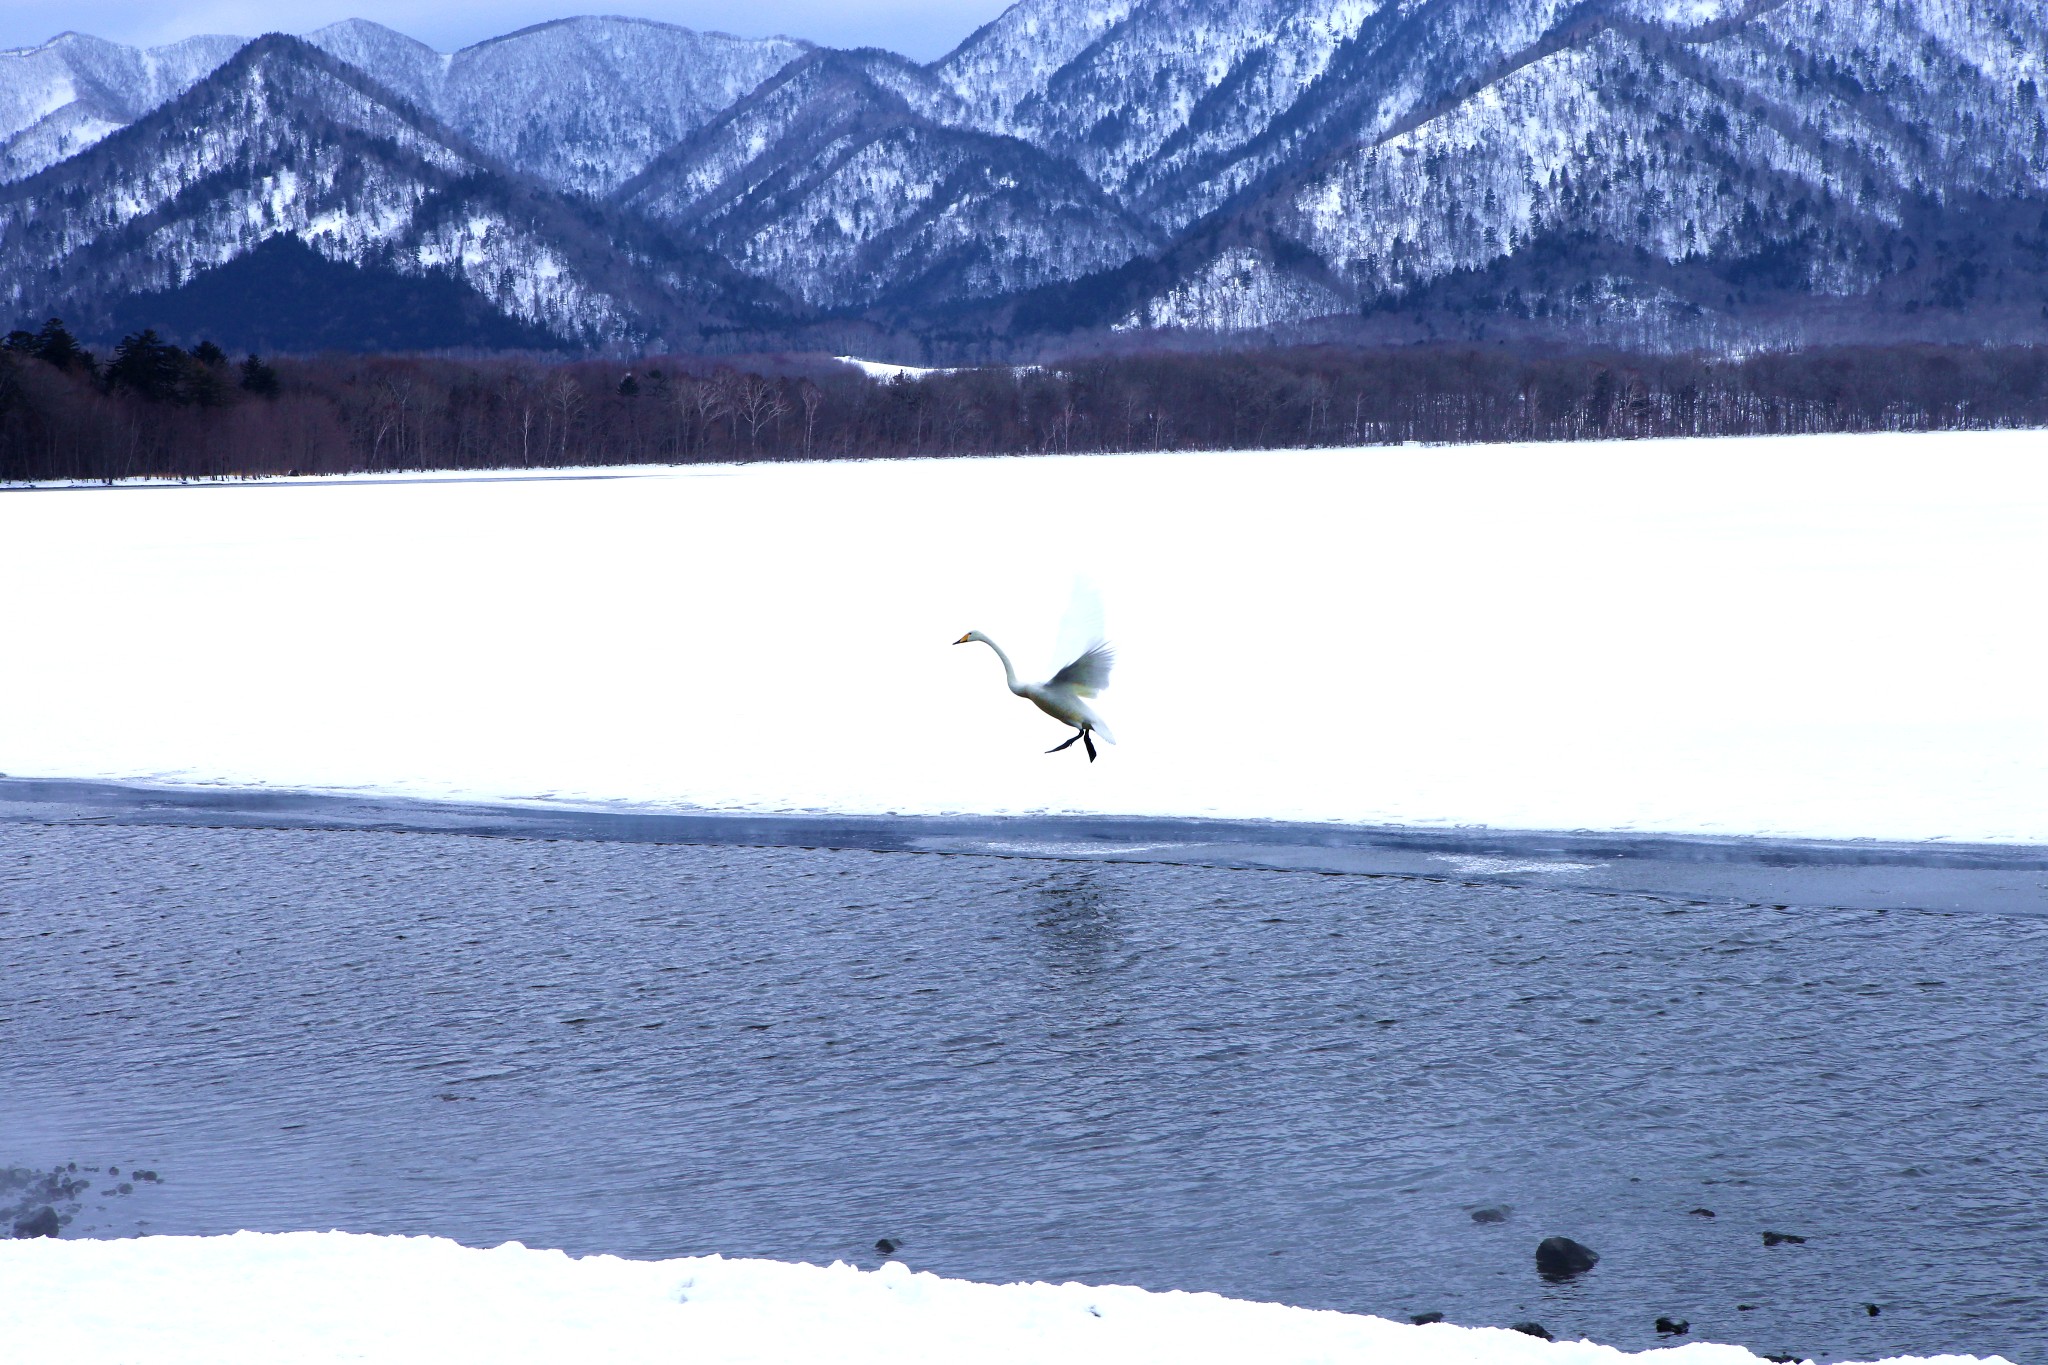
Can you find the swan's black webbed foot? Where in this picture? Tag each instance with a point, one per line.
(1070, 743)
(1088, 742)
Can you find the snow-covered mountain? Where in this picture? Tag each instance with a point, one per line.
(829, 182)
(1144, 95)
(287, 140)
(1645, 171)
(1642, 172)
(1700, 154)
(61, 97)
(580, 103)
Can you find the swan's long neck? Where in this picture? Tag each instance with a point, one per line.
(1009, 673)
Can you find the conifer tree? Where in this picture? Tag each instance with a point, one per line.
(258, 378)
(147, 366)
(56, 345)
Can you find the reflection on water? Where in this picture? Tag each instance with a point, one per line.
(1077, 920)
(1293, 1087)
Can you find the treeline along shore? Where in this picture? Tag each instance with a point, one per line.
(152, 409)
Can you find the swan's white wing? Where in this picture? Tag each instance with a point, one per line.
(1088, 674)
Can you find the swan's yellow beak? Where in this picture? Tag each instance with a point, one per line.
(965, 638)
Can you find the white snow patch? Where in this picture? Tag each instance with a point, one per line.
(306, 1296)
(882, 369)
(1825, 637)
(1479, 865)
(1240, 290)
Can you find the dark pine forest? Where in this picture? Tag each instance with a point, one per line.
(153, 409)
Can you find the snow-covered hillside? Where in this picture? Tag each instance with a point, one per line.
(831, 183)
(285, 139)
(1661, 173)
(582, 104)
(59, 98)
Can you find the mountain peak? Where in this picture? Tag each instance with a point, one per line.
(591, 25)
(1663, 172)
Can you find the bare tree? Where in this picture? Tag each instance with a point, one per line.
(758, 402)
(682, 400)
(1315, 402)
(811, 396)
(721, 399)
(1064, 417)
(388, 406)
(1131, 406)
(565, 396)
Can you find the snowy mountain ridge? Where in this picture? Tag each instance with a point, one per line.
(1650, 172)
(62, 96)
(581, 103)
(828, 182)
(287, 141)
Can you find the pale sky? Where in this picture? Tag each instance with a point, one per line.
(922, 29)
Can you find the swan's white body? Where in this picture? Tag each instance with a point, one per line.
(1062, 696)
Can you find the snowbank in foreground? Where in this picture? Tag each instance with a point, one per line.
(1833, 637)
(307, 1296)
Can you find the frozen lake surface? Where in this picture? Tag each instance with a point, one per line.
(1276, 1085)
(1826, 637)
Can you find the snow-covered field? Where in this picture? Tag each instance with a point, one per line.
(1820, 636)
(303, 1296)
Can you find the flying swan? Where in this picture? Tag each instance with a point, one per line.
(1060, 696)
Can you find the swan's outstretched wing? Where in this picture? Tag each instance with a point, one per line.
(1088, 674)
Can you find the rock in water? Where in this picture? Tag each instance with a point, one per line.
(1672, 1327)
(1492, 1213)
(1772, 1239)
(1533, 1329)
(1424, 1319)
(1701, 1213)
(41, 1223)
(1560, 1258)
(886, 1246)
(1872, 1309)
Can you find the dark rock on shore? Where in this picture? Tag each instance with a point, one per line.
(1533, 1329)
(1560, 1258)
(42, 1223)
(1424, 1319)
(1672, 1327)
(1772, 1239)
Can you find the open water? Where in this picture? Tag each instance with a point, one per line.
(1283, 1086)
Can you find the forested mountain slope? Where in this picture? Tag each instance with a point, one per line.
(1649, 173)
(287, 140)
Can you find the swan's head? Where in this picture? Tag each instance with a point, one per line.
(972, 635)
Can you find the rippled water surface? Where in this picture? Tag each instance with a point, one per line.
(1281, 1086)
